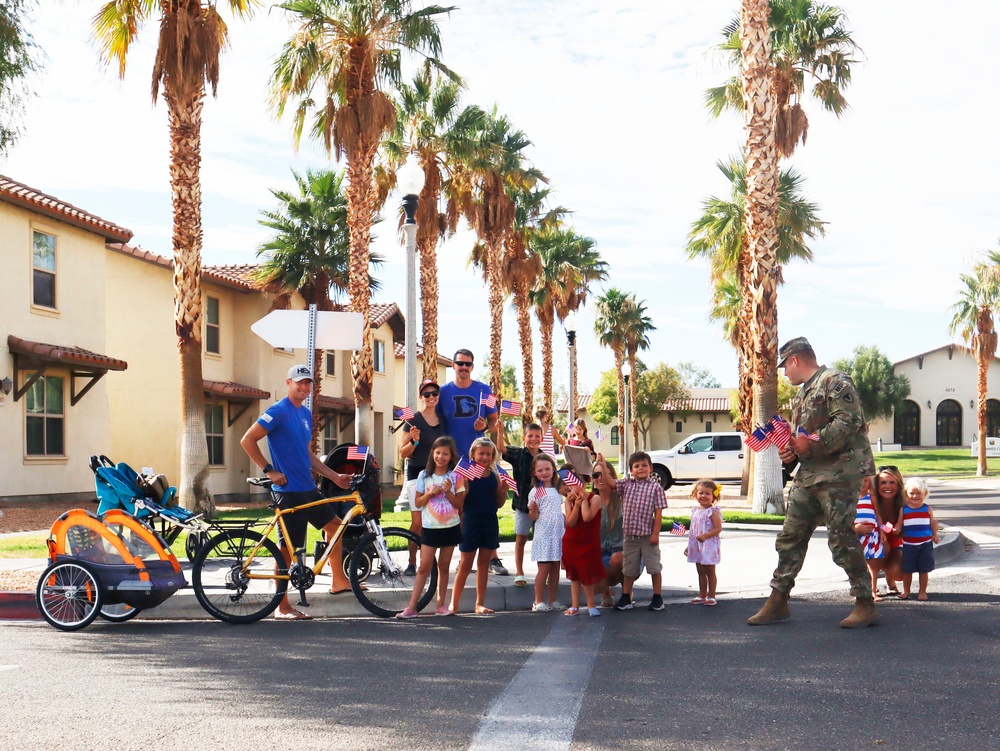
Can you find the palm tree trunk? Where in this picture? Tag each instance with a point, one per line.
(619, 359)
(984, 364)
(545, 334)
(760, 225)
(429, 292)
(632, 402)
(495, 294)
(575, 391)
(523, 309)
(184, 116)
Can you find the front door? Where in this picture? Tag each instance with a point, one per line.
(949, 423)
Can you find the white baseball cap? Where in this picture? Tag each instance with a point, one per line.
(300, 373)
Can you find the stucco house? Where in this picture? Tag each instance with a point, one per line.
(942, 407)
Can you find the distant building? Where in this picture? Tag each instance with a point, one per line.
(706, 411)
(942, 409)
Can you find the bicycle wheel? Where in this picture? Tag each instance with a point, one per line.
(222, 579)
(118, 613)
(388, 590)
(69, 595)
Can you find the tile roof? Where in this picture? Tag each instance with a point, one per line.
(235, 391)
(62, 355)
(335, 404)
(234, 277)
(399, 349)
(29, 198)
(702, 400)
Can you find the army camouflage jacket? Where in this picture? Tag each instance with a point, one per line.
(827, 404)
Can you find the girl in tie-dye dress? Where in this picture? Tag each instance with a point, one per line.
(868, 526)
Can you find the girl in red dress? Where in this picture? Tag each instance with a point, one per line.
(581, 548)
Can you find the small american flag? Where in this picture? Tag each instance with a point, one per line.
(887, 527)
(357, 454)
(511, 408)
(571, 430)
(539, 492)
(598, 435)
(509, 480)
(782, 431)
(757, 441)
(405, 413)
(806, 434)
(470, 470)
(678, 530)
(488, 400)
(570, 479)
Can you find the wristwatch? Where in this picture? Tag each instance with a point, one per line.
(268, 468)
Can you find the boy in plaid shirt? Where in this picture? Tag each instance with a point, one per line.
(643, 501)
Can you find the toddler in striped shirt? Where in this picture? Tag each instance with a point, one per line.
(920, 532)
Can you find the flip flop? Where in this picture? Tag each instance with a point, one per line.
(572, 611)
(520, 580)
(344, 591)
(698, 601)
(294, 615)
(483, 610)
(444, 610)
(710, 601)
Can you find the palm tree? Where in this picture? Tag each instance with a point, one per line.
(809, 44)
(613, 311)
(972, 316)
(350, 50)
(637, 327)
(430, 123)
(718, 236)
(192, 38)
(309, 253)
(762, 241)
(569, 266)
(495, 172)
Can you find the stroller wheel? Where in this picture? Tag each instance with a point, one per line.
(69, 595)
(361, 560)
(192, 545)
(119, 612)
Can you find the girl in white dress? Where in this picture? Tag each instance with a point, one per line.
(704, 548)
(545, 510)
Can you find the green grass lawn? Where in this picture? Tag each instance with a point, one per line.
(934, 463)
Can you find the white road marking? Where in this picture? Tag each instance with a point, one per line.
(539, 708)
(8, 667)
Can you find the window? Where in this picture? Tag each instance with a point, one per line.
(44, 422)
(212, 325)
(378, 353)
(330, 440)
(708, 426)
(699, 445)
(678, 426)
(614, 436)
(43, 261)
(728, 443)
(214, 434)
(331, 364)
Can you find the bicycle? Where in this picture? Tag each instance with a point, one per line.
(239, 576)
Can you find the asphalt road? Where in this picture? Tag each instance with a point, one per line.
(689, 677)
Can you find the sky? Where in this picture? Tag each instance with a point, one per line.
(610, 95)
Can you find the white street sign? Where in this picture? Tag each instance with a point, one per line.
(290, 329)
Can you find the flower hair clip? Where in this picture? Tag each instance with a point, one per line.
(717, 493)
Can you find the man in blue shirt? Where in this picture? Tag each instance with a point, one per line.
(288, 428)
(465, 416)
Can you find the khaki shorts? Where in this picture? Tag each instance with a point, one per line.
(522, 523)
(637, 547)
(408, 495)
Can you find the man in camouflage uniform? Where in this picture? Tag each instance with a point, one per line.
(834, 458)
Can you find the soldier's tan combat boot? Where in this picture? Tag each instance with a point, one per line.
(864, 614)
(775, 609)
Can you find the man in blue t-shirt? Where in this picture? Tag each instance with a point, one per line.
(288, 428)
(465, 415)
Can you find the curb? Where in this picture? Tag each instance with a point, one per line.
(18, 606)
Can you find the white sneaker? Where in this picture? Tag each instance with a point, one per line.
(594, 612)
(556, 605)
(540, 607)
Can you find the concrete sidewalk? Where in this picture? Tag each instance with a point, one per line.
(748, 559)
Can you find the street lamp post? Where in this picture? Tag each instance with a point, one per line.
(410, 180)
(622, 469)
(570, 323)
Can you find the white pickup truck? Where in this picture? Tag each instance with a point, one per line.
(716, 456)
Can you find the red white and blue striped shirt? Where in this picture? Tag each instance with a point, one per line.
(917, 525)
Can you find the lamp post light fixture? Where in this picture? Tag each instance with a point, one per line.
(569, 322)
(410, 181)
(622, 468)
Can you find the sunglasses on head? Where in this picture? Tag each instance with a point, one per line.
(462, 364)
(429, 394)
(884, 467)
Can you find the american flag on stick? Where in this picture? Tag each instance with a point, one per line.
(488, 400)
(781, 431)
(598, 435)
(806, 434)
(511, 408)
(357, 454)
(404, 413)
(757, 440)
(470, 470)
(539, 493)
(570, 479)
(509, 480)
(678, 530)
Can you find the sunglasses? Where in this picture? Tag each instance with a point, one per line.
(891, 467)
(430, 394)
(596, 475)
(462, 364)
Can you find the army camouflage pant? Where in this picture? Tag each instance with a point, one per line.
(836, 505)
